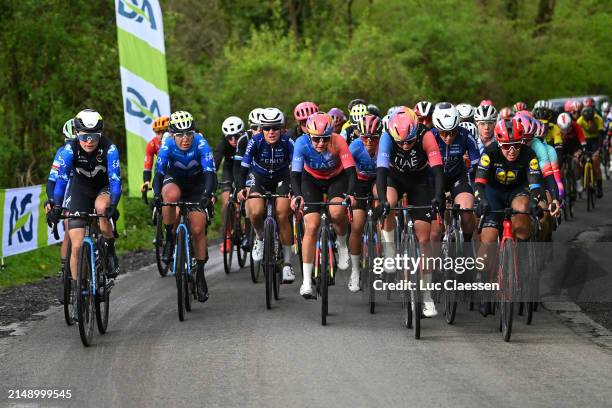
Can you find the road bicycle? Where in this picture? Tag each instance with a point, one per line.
(159, 240)
(588, 180)
(93, 286)
(371, 249)
(234, 234)
(569, 183)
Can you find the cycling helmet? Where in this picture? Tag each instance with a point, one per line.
(385, 122)
(578, 106)
(589, 102)
(605, 107)
(470, 128)
(505, 113)
(304, 109)
(88, 120)
(403, 126)
(254, 117)
(486, 102)
(271, 117)
(392, 110)
(588, 112)
(526, 121)
(564, 121)
(370, 125)
(423, 108)
(232, 126)
(181, 121)
(354, 102)
(466, 112)
(542, 112)
(160, 124)
(357, 112)
(540, 128)
(337, 116)
(373, 110)
(519, 106)
(485, 113)
(68, 129)
(508, 131)
(567, 106)
(319, 124)
(445, 116)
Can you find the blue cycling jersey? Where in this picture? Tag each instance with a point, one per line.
(178, 163)
(452, 155)
(96, 169)
(366, 164)
(54, 172)
(268, 160)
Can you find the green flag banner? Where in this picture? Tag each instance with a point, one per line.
(144, 82)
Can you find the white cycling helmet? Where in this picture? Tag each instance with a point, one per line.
(485, 113)
(543, 104)
(271, 117)
(445, 116)
(68, 129)
(466, 112)
(423, 108)
(254, 117)
(385, 122)
(605, 107)
(564, 121)
(232, 126)
(470, 128)
(392, 110)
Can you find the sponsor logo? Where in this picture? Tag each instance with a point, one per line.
(136, 105)
(485, 161)
(21, 220)
(140, 13)
(533, 164)
(505, 177)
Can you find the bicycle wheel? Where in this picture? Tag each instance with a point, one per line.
(179, 272)
(588, 186)
(68, 302)
(299, 234)
(277, 277)
(162, 267)
(228, 236)
(268, 260)
(450, 296)
(605, 160)
(324, 260)
(369, 270)
(255, 266)
(85, 298)
(416, 299)
(102, 298)
(507, 281)
(240, 233)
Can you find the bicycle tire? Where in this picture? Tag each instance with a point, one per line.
(507, 280)
(162, 267)
(371, 249)
(228, 237)
(277, 277)
(179, 272)
(255, 266)
(102, 298)
(324, 273)
(240, 232)
(267, 261)
(66, 279)
(450, 298)
(588, 185)
(299, 235)
(85, 299)
(416, 300)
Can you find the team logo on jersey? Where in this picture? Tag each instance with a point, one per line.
(505, 177)
(144, 12)
(533, 164)
(485, 160)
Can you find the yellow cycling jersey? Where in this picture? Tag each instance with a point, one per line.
(553, 135)
(346, 124)
(591, 132)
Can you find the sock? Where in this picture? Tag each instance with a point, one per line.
(388, 236)
(259, 233)
(341, 240)
(287, 251)
(355, 264)
(307, 267)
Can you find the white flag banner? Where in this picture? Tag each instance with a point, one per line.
(20, 220)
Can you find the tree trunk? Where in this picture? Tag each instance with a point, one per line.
(512, 7)
(349, 14)
(546, 10)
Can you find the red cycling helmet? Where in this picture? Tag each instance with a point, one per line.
(525, 120)
(519, 106)
(486, 102)
(567, 106)
(589, 102)
(304, 109)
(505, 113)
(403, 126)
(319, 124)
(509, 131)
(578, 106)
(370, 125)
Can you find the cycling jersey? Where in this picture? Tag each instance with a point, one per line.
(224, 151)
(266, 160)
(53, 173)
(549, 166)
(575, 134)
(349, 133)
(324, 165)
(553, 134)
(452, 155)
(295, 132)
(151, 151)
(97, 170)
(191, 163)
(592, 130)
(425, 151)
(366, 164)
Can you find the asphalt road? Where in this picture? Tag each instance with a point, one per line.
(231, 351)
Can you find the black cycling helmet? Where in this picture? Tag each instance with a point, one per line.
(542, 113)
(588, 113)
(373, 110)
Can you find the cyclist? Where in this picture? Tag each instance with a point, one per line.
(185, 170)
(486, 102)
(69, 134)
(572, 134)
(466, 112)
(576, 109)
(454, 142)
(485, 117)
(338, 117)
(508, 174)
(91, 163)
(268, 157)
(322, 162)
(543, 112)
(373, 110)
(364, 151)
(233, 129)
(243, 141)
(301, 113)
(160, 128)
(357, 112)
(593, 127)
(404, 153)
(505, 113)
(424, 110)
(567, 106)
(519, 106)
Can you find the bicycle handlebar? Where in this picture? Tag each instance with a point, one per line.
(86, 217)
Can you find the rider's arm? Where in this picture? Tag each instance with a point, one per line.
(434, 159)
(382, 164)
(63, 173)
(53, 174)
(148, 161)
(245, 163)
(208, 166)
(534, 177)
(556, 173)
(297, 165)
(114, 174)
(219, 151)
(482, 175)
(160, 166)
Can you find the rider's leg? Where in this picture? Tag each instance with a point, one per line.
(102, 203)
(355, 247)
(388, 231)
(76, 239)
(197, 227)
(311, 227)
(256, 209)
(468, 222)
(170, 193)
(283, 214)
(521, 224)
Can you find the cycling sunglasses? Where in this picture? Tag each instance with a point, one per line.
(513, 145)
(319, 139)
(90, 137)
(446, 133)
(405, 142)
(370, 136)
(187, 135)
(270, 128)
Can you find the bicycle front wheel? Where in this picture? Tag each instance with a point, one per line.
(589, 186)
(162, 267)
(228, 237)
(269, 261)
(68, 302)
(324, 260)
(240, 234)
(85, 297)
(255, 266)
(102, 302)
(179, 272)
(507, 281)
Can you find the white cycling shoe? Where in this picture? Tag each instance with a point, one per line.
(353, 284)
(288, 275)
(343, 257)
(389, 252)
(429, 309)
(258, 250)
(306, 290)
